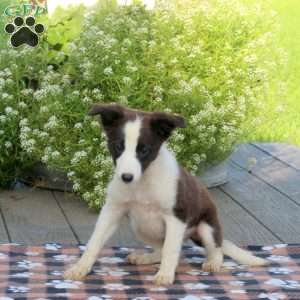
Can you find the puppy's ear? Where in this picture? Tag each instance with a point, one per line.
(110, 113)
(163, 123)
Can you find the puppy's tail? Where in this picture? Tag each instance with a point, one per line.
(242, 256)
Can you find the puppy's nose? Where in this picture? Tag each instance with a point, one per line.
(127, 177)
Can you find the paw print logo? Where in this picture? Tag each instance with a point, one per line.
(24, 32)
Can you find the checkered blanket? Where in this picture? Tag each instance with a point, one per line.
(36, 273)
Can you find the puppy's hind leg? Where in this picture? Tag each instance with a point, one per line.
(211, 241)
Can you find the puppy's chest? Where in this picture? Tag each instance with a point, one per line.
(147, 219)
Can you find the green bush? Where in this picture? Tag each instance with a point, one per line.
(19, 75)
(210, 62)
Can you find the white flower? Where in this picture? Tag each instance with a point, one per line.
(76, 186)
(27, 92)
(2, 118)
(44, 109)
(8, 110)
(131, 68)
(52, 122)
(43, 134)
(127, 80)
(78, 125)
(95, 124)
(160, 65)
(76, 93)
(71, 174)
(108, 71)
(86, 195)
(45, 158)
(4, 95)
(22, 104)
(87, 100)
(8, 144)
(55, 154)
(158, 89)
(194, 81)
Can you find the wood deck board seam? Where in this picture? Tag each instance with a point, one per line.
(5, 226)
(250, 213)
(273, 156)
(266, 182)
(66, 218)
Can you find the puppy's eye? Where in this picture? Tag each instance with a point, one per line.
(119, 147)
(143, 150)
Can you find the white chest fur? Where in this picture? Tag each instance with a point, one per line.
(151, 198)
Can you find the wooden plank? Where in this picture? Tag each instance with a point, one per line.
(33, 217)
(236, 223)
(83, 220)
(270, 170)
(3, 233)
(290, 154)
(278, 213)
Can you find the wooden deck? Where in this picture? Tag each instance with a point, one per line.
(260, 204)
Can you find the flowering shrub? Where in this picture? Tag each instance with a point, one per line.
(208, 62)
(19, 72)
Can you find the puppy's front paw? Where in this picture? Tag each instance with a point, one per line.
(163, 278)
(76, 272)
(212, 266)
(143, 259)
(134, 258)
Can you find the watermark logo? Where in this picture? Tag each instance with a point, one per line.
(23, 29)
(35, 8)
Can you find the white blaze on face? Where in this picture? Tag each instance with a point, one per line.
(128, 163)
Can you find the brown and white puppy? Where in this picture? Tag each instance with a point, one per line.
(166, 205)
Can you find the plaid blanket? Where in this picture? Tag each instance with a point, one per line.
(36, 273)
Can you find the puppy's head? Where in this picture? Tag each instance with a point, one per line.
(134, 137)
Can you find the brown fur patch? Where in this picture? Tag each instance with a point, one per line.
(194, 204)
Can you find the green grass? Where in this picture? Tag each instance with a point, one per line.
(282, 114)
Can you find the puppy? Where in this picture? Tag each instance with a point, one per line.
(165, 204)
